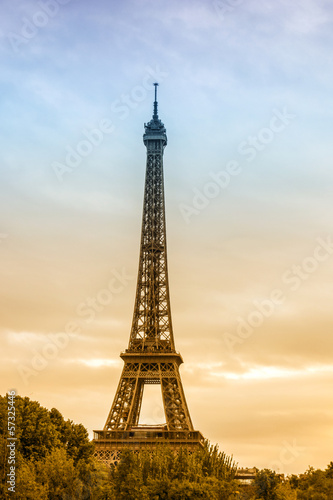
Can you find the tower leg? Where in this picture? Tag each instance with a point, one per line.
(122, 404)
(137, 402)
(175, 407)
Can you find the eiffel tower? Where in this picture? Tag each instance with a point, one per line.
(151, 357)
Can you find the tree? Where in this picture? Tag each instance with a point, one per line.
(266, 482)
(162, 474)
(55, 460)
(54, 457)
(329, 471)
(127, 477)
(284, 491)
(28, 487)
(58, 473)
(35, 431)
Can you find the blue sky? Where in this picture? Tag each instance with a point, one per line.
(245, 95)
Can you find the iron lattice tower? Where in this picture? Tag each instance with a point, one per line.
(151, 357)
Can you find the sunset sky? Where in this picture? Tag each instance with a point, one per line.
(246, 97)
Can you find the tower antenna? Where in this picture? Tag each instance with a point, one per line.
(155, 116)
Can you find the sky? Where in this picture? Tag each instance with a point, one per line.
(245, 93)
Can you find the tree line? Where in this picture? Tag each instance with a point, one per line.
(54, 460)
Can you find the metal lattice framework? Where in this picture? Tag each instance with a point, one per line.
(151, 357)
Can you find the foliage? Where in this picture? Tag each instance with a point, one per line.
(54, 461)
(54, 457)
(160, 474)
(312, 485)
(266, 483)
(316, 484)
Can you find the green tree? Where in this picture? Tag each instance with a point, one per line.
(55, 461)
(28, 487)
(294, 481)
(58, 473)
(73, 436)
(34, 430)
(266, 483)
(96, 480)
(284, 491)
(158, 489)
(161, 474)
(127, 478)
(329, 471)
(54, 457)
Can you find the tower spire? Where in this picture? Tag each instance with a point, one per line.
(155, 115)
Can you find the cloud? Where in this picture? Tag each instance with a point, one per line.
(225, 78)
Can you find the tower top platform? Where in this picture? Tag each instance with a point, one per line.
(155, 130)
